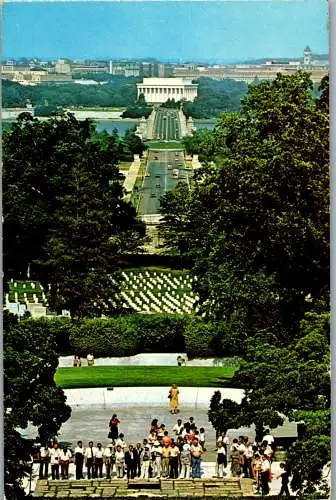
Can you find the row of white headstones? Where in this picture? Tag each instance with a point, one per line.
(139, 287)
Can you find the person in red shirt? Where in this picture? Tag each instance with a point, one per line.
(113, 425)
(166, 439)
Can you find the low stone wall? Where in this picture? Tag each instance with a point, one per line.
(190, 397)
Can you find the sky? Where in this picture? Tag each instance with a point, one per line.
(221, 31)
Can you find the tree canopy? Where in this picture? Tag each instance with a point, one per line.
(255, 228)
(64, 211)
(30, 395)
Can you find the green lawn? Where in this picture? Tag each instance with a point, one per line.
(142, 376)
(164, 145)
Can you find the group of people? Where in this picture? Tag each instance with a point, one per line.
(252, 460)
(158, 455)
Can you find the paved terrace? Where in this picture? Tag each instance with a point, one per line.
(145, 488)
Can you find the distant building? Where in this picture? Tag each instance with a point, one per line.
(125, 68)
(159, 90)
(63, 67)
(250, 73)
(307, 58)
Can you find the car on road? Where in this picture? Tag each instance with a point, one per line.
(153, 195)
(158, 185)
(156, 157)
(169, 165)
(158, 176)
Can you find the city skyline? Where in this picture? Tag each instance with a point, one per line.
(171, 31)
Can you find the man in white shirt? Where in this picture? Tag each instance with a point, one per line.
(145, 462)
(79, 459)
(121, 442)
(156, 453)
(120, 461)
(55, 455)
(44, 461)
(108, 457)
(64, 462)
(98, 463)
(178, 428)
(265, 475)
(90, 454)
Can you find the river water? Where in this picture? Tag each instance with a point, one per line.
(123, 125)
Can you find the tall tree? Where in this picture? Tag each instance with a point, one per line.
(64, 211)
(30, 395)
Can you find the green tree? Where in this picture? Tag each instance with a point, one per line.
(64, 211)
(30, 395)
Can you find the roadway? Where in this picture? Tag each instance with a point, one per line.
(167, 125)
(159, 178)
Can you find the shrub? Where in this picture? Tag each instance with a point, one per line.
(104, 338)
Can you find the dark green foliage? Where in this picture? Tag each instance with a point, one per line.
(64, 211)
(130, 334)
(223, 413)
(138, 109)
(30, 393)
(119, 91)
(215, 97)
(171, 104)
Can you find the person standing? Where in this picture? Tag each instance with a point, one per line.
(178, 428)
(265, 475)
(174, 460)
(98, 463)
(221, 455)
(107, 456)
(79, 460)
(55, 456)
(269, 439)
(174, 399)
(121, 442)
(139, 451)
(44, 461)
(145, 462)
(156, 452)
(284, 480)
(113, 426)
(131, 461)
(235, 459)
(120, 461)
(90, 454)
(185, 461)
(196, 454)
(90, 359)
(64, 462)
(165, 460)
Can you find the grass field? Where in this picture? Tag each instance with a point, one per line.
(142, 376)
(164, 145)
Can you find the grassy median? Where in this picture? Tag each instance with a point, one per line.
(142, 376)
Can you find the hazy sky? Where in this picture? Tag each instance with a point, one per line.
(224, 30)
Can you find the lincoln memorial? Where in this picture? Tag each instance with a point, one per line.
(159, 90)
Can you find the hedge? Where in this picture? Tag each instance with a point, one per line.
(131, 334)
